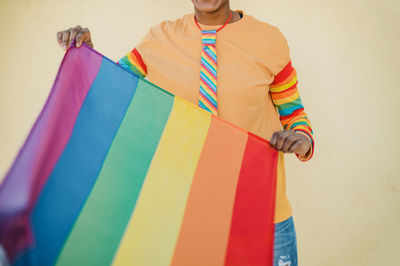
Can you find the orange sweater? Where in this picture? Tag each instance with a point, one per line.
(257, 85)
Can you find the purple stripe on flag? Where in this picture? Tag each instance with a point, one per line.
(45, 143)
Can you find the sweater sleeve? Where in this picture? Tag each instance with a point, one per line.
(133, 62)
(286, 98)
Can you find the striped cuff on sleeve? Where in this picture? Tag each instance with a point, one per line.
(133, 62)
(287, 100)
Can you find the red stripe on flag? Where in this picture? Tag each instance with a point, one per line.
(252, 227)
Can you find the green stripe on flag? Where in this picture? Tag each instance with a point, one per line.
(115, 193)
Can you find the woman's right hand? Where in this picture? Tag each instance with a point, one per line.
(77, 34)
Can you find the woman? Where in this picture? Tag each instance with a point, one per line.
(253, 80)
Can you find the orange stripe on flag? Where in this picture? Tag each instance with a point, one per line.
(203, 238)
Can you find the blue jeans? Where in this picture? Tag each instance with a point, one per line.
(285, 244)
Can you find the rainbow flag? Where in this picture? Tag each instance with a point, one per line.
(118, 171)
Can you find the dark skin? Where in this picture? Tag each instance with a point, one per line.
(207, 12)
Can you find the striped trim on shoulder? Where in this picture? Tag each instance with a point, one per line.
(287, 99)
(133, 62)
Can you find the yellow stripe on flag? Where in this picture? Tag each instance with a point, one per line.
(153, 229)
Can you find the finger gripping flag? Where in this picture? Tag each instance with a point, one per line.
(118, 171)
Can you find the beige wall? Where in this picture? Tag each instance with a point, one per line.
(347, 198)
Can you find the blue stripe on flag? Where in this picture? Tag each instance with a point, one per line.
(73, 177)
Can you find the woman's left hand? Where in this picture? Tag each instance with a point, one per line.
(290, 141)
